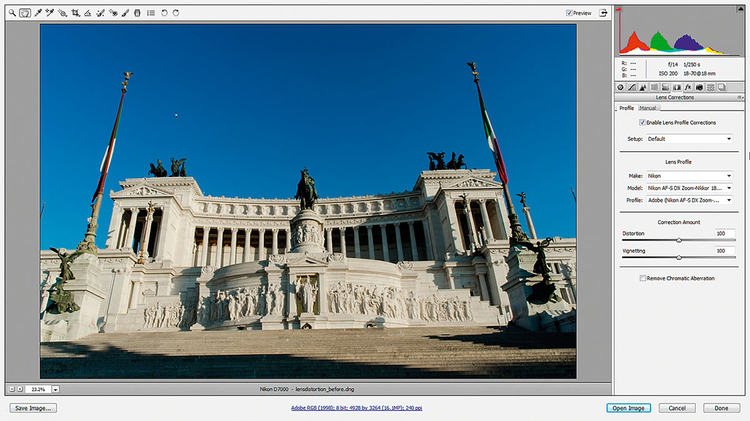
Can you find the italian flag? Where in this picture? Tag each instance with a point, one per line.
(107, 159)
(492, 140)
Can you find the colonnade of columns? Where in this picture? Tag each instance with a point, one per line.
(126, 234)
(480, 227)
(241, 246)
(382, 240)
(219, 246)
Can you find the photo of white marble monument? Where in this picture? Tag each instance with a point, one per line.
(448, 256)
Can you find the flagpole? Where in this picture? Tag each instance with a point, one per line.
(89, 242)
(516, 231)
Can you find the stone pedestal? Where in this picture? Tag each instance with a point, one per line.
(315, 321)
(272, 323)
(203, 292)
(307, 232)
(550, 317)
(88, 294)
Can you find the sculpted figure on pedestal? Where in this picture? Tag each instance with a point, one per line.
(523, 198)
(542, 292)
(306, 191)
(176, 166)
(439, 158)
(306, 291)
(62, 300)
(278, 301)
(158, 170)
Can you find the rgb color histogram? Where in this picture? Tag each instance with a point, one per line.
(659, 45)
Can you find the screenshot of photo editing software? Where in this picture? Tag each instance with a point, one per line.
(296, 211)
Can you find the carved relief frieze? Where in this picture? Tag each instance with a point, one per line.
(141, 191)
(239, 303)
(252, 224)
(473, 182)
(393, 302)
(388, 205)
(307, 232)
(168, 315)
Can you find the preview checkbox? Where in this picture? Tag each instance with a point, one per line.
(569, 12)
(642, 122)
(642, 278)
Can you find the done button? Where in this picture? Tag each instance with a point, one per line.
(721, 407)
(629, 408)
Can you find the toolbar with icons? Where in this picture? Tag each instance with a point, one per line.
(90, 12)
(273, 12)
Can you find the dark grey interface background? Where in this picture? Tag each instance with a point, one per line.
(22, 204)
(721, 27)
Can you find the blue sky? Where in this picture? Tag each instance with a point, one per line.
(358, 105)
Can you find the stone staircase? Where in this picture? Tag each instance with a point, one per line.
(443, 352)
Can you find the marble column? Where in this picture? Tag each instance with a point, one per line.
(115, 237)
(483, 286)
(329, 240)
(147, 233)
(205, 251)
(399, 246)
(136, 293)
(486, 220)
(322, 294)
(220, 248)
(413, 240)
(427, 243)
(472, 226)
(122, 232)
(131, 228)
(357, 252)
(454, 226)
(275, 241)
(161, 242)
(527, 212)
(262, 245)
(370, 243)
(196, 255)
(342, 233)
(288, 241)
(233, 246)
(502, 217)
(246, 247)
(386, 256)
(451, 277)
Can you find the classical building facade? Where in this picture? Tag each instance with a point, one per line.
(178, 259)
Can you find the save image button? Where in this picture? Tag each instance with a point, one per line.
(629, 408)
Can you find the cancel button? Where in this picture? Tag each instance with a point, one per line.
(676, 407)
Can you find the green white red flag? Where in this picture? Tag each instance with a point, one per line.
(492, 140)
(104, 168)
